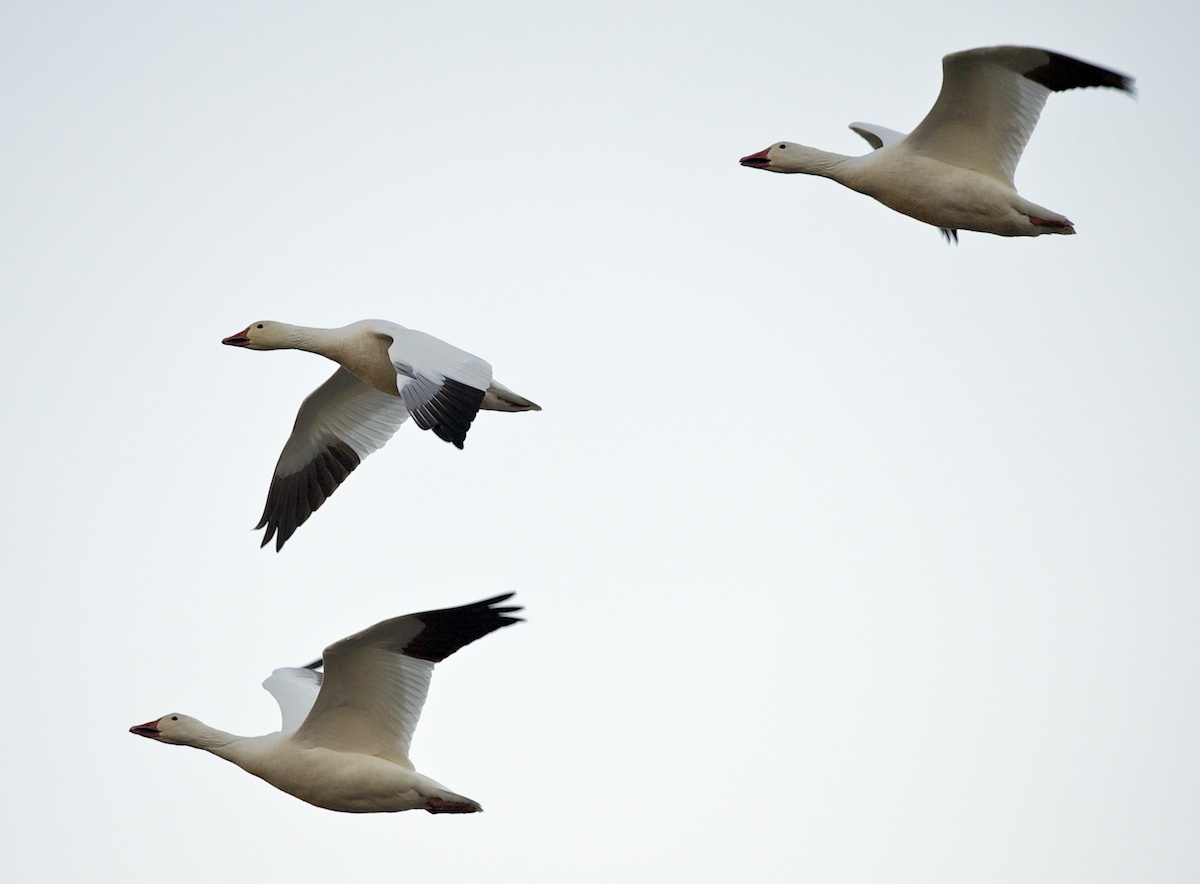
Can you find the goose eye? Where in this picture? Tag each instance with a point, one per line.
(781, 147)
(174, 718)
(259, 325)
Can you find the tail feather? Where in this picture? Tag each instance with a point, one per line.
(499, 398)
(443, 805)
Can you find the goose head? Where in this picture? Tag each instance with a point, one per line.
(177, 729)
(786, 156)
(263, 335)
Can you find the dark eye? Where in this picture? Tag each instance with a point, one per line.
(259, 325)
(781, 147)
(174, 718)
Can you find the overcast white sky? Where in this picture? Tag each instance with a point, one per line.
(848, 556)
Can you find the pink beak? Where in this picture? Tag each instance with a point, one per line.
(149, 729)
(755, 161)
(241, 339)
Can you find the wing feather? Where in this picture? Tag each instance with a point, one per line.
(877, 136)
(447, 408)
(295, 690)
(339, 424)
(983, 116)
(376, 680)
(991, 100)
(441, 385)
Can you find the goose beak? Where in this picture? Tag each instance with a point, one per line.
(754, 161)
(149, 729)
(241, 339)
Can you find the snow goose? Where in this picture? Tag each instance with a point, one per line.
(387, 373)
(345, 736)
(955, 170)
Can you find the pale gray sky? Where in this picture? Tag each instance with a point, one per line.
(848, 556)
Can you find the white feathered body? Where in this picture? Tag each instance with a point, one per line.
(349, 782)
(945, 195)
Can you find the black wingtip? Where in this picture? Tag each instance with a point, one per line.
(450, 629)
(447, 409)
(1062, 72)
(292, 499)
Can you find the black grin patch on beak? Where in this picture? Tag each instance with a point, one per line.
(756, 162)
(145, 731)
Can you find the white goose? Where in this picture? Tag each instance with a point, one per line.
(387, 373)
(345, 736)
(955, 170)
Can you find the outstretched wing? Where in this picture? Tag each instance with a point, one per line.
(340, 423)
(376, 680)
(990, 102)
(441, 385)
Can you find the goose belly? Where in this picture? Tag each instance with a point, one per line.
(948, 196)
(352, 783)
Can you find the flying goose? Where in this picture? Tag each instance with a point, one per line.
(346, 732)
(387, 373)
(955, 170)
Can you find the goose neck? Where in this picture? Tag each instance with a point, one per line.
(811, 161)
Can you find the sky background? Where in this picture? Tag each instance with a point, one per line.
(848, 556)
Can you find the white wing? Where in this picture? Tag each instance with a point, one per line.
(376, 680)
(441, 385)
(295, 690)
(877, 136)
(339, 424)
(991, 100)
